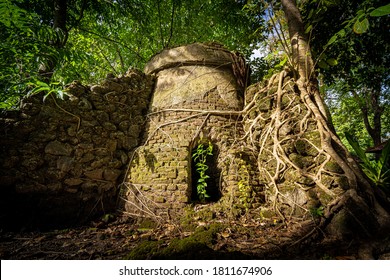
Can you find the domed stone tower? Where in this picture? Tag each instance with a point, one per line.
(196, 105)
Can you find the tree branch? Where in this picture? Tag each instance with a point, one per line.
(113, 41)
(172, 20)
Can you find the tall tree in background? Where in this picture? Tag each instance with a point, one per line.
(360, 189)
(350, 43)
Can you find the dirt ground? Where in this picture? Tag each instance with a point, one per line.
(116, 238)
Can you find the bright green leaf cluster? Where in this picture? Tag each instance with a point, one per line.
(377, 171)
(199, 157)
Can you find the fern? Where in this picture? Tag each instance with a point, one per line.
(377, 171)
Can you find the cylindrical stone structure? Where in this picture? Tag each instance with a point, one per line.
(197, 100)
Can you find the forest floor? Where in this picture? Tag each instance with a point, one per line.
(119, 238)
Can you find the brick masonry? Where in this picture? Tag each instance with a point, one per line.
(196, 99)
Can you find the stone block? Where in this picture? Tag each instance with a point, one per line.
(73, 181)
(56, 187)
(58, 148)
(111, 174)
(109, 126)
(89, 186)
(72, 189)
(64, 164)
(94, 174)
(111, 145)
(172, 187)
(159, 199)
(172, 174)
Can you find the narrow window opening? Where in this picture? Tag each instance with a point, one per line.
(204, 173)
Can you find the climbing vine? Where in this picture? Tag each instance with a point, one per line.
(199, 157)
(244, 188)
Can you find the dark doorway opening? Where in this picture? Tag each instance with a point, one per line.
(205, 174)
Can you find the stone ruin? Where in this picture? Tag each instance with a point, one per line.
(129, 142)
(198, 95)
(64, 160)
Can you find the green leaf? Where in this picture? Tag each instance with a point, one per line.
(322, 64)
(361, 26)
(39, 89)
(355, 145)
(41, 84)
(368, 168)
(332, 61)
(332, 39)
(381, 11)
(309, 28)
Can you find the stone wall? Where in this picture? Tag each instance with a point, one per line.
(62, 160)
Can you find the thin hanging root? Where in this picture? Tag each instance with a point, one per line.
(142, 201)
(67, 112)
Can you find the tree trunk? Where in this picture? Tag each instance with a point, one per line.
(46, 69)
(359, 189)
(372, 101)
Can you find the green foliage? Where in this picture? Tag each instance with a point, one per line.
(317, 211)
(381, 11)
(244, 188)
(23, 49)
(377, 171)
(98, 37)
(55, 88)
(349, 40)
(198, 244)
(199, 157)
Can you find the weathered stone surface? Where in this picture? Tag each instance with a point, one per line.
(193, 77)
(64, 164)
(111, 174)
(55, 152)
(94, 174)
(58, 148)
(73, 181)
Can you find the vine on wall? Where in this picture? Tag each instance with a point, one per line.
(199, 156)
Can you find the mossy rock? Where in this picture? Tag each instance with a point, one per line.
(301, 161)
(313, 136)
(323, 197)
(196, 246)
(190, 219)
(147, 224)
(266, 213)
(305, 148)
(333, 167)
(294, 176)
(200, 241)
(342, 182)
(145, 250)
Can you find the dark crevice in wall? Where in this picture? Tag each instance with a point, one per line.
(213, 188)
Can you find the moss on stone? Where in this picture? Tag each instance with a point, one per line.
(301, 161)
(147, 224)
(196, 246)
(313, 136)
(323, 197)
(267, 213)
(342, 182)
(145, 250)
(305, 148)
(333, 167)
